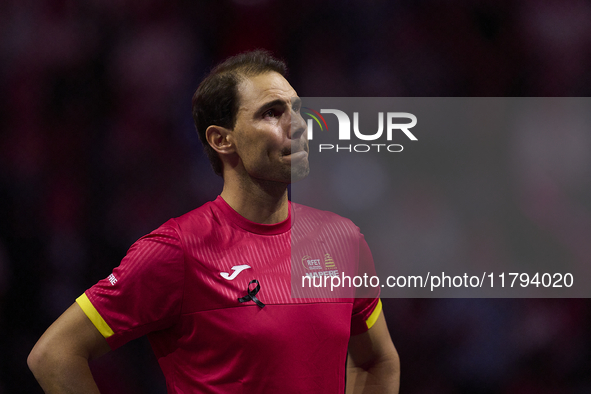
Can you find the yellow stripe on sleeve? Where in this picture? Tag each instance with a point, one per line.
(94, 316)
(371, 320)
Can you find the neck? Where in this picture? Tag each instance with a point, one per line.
(258, 201)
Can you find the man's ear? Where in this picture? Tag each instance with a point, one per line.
(220, 139)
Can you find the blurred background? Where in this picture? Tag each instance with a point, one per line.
(97, 148)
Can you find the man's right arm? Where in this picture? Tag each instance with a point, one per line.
(59, 360)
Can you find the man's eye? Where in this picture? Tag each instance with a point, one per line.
(270, 113)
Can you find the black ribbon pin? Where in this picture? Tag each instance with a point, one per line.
(251, 294)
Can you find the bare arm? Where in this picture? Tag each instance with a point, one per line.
(59, 360)
(373, 366)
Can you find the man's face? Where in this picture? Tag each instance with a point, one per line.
(270, 135)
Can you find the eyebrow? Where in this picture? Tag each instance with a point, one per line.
(295, 101)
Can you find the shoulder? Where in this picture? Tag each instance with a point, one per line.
(305, 213)
(204, 226)
(312, 223)
(199, 220)
(206, 210)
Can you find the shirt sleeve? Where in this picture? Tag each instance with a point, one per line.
(144, 293)
(367, 304)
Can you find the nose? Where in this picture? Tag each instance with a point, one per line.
(297, 125)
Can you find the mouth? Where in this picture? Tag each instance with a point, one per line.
(293, 150)
(294, 156)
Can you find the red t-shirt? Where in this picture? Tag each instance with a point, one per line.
(180, 286)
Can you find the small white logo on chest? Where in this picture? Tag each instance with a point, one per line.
(237, 269)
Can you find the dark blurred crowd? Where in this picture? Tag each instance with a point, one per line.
(97, 148)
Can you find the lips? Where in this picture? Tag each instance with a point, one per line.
(291, 150)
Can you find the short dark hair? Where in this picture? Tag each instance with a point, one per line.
(215, 101)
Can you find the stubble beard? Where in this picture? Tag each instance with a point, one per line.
(299, 171)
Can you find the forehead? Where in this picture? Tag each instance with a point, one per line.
(260, 89)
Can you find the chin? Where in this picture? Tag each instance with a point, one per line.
(297, 174)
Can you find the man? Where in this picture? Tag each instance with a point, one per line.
(211, 289)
